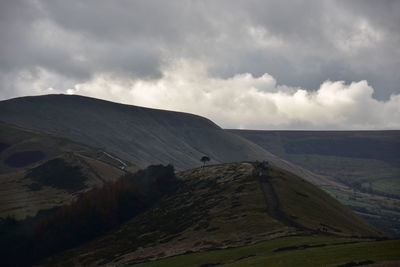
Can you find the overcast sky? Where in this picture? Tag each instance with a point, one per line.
(243, 64)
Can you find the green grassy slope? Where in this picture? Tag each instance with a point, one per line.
(366, 163)
(318, 210)
(293, 251)
(221, 206)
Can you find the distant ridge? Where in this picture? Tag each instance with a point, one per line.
(140, 135)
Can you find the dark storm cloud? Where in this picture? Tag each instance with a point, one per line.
(15, 18)
(121, 21)
(384, 13)
(26, 44)
(326, 40)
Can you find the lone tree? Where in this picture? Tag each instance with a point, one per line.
(204, 159)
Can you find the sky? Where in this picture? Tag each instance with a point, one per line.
(249, 64)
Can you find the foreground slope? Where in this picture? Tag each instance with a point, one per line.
(140, 135)
(366, 162)
(222, 206)
(299, 251)
(40, 171)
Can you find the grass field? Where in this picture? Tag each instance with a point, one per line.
(321, 251)
(390, 185)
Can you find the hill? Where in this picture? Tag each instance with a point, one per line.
(220, 207)
(139, 135)
(367, 162)
(41, 171)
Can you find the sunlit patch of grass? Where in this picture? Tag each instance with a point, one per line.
(322, 251)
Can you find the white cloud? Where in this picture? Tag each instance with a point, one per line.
(245, 101)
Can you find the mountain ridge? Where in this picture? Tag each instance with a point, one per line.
(139, 135)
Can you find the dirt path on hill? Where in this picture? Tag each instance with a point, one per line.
(261, 173)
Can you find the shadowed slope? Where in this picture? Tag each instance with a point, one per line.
(140, 135)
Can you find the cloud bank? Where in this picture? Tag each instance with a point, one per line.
(245, 101)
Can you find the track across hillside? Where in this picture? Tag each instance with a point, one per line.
(261, 173)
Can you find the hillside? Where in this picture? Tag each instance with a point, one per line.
(218, 207)
(139, 135)
(41, 171)
(367, 162)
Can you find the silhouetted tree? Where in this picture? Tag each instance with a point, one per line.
(204, 159)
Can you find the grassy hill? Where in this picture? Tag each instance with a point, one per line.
(366, 162)
(220, 207)
(139, 135)
(41, 171)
